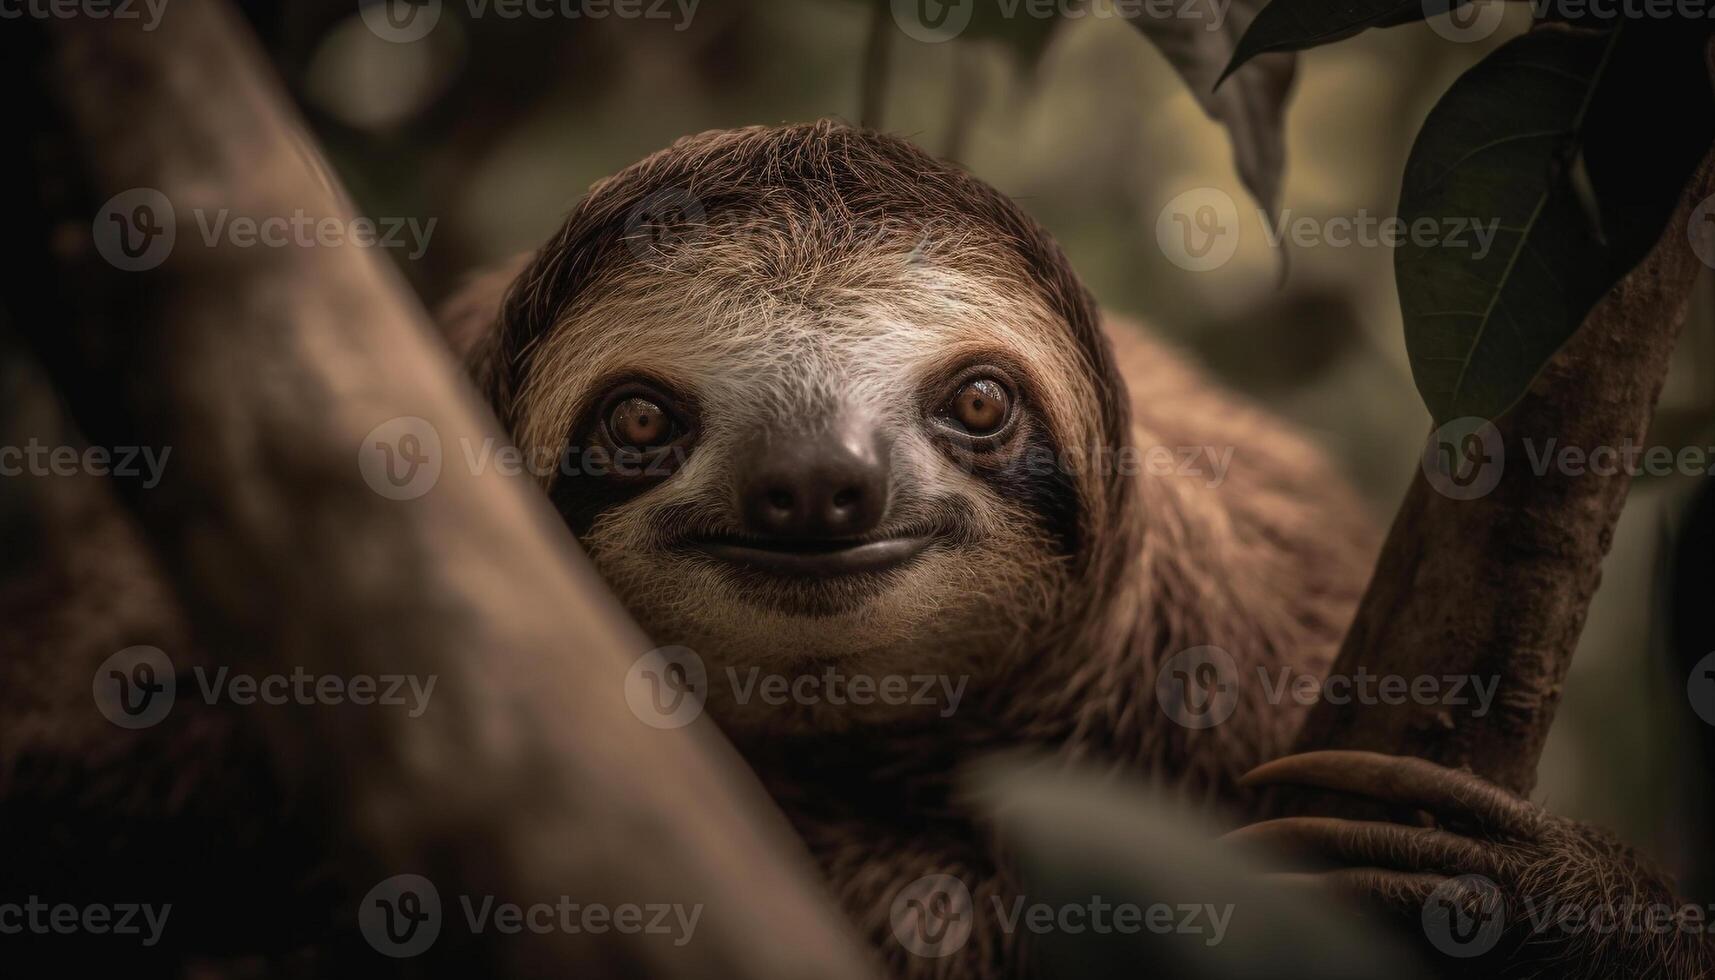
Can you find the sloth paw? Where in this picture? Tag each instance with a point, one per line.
(1498, 886)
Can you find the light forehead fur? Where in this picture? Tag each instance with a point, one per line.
(862, 334)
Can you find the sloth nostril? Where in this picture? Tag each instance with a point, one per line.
(815, 486)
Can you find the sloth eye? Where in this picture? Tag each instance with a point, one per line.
(639, 422)
(981, 406)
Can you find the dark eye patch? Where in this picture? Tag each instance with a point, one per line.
(636, 434)
(1035, 476)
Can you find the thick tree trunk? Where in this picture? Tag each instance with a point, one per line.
(267, 370)
(1498, 586)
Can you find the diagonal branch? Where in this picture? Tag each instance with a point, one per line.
(1498, 586)
(264, 368)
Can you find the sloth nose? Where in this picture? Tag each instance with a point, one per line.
(829, 485)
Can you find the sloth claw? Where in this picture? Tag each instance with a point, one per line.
(1451, 795)
(1366, 843)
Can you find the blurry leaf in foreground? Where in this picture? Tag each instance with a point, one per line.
(1082, 835)
(1506, 153)
(1198, 38)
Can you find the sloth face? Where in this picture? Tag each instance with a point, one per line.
(851, 472)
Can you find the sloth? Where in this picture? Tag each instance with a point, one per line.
(836, 419)
(830, 409)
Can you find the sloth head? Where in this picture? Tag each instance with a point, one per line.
(813, 400)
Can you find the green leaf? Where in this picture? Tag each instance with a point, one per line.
(1294, 25)
(1522, 143)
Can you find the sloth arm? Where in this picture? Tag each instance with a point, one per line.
(1304, 521)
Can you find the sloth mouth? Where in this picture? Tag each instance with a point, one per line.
(816, 558)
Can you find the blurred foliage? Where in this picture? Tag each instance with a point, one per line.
(1083, 834)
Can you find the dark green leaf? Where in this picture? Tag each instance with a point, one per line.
(1294, 25)
(1503, 148)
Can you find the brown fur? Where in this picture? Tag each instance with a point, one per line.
(1267, 566)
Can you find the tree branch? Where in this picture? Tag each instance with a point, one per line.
(263, 368)
(1497, 587)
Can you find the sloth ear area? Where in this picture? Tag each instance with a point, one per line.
(469, 316)
(469, 322)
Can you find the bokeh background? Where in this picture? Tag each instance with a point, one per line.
(494, 128)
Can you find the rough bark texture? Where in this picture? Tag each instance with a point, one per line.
(1499, 585)
(263, 368)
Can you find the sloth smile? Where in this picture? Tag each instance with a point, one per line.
(813, 558)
